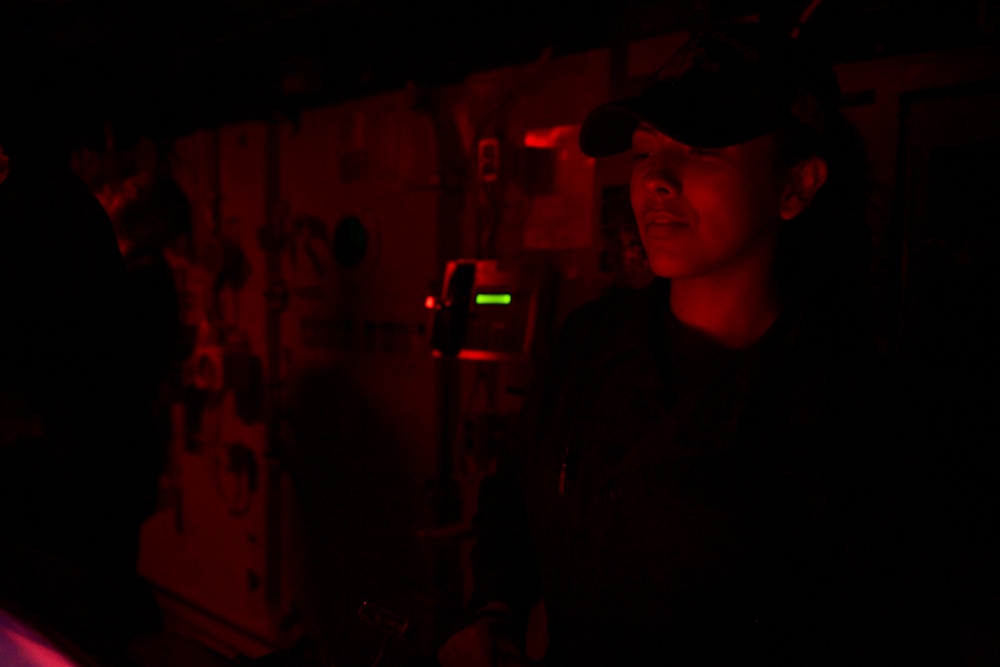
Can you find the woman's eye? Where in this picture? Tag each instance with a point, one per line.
(704, 151)
(639, 156)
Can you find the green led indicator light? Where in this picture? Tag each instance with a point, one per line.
(493, 299)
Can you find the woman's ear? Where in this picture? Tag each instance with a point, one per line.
(803, 182)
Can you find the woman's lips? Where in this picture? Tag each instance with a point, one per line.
(665, 229)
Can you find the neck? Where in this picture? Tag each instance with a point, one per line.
(734, 307)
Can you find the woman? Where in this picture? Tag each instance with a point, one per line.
(704, 465)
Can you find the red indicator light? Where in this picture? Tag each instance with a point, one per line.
(430, 303)
(549, 137)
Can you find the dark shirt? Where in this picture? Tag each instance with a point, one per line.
(70, 481)
(675, 502)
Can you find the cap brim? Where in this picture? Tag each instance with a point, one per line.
(689, 112)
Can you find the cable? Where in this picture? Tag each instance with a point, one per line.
(804, 16)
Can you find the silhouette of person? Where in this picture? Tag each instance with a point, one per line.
(73, 485)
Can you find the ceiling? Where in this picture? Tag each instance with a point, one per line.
(165, 66)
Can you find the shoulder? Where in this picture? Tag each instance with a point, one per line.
(616, 319)
(592, 333)
(817, 366)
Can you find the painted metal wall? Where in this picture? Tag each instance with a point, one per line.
(308, 432)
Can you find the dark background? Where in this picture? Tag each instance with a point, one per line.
(109, 72)
(168, 66)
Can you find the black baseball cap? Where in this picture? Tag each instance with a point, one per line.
(735, 83)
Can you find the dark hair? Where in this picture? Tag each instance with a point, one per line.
(34, 115)
(827, 248)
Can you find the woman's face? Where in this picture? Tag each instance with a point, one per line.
(702, 211)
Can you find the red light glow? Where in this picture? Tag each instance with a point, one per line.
(21, 646)
(548, 137)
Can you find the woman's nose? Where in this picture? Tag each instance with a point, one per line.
(661, 177)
